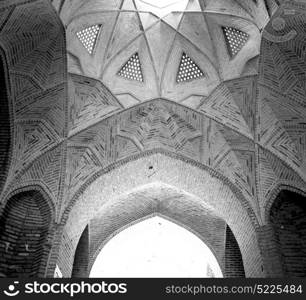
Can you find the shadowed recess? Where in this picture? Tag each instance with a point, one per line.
(288, 217)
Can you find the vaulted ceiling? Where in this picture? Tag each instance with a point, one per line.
(179, 50)
(128, 92)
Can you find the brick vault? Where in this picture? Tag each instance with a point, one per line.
(115, 111)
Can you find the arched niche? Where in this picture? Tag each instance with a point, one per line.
(288, 219)
(24, 231)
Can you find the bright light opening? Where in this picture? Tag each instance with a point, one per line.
(161, 3)
(161, 8)
(155, 248)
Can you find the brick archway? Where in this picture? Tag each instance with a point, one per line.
(215, 248)
(152, 200)
(181, 210)
(210, 191)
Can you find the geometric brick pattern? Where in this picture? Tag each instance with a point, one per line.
(234, 156)
(35, 139)
(46, 171)
(233, 103)
(88, 152)
(273, 171)
(278, 133)
(244, 91)
(33, 41)
(160, 126)
(90, 101)
(48, 107)
(281, 101)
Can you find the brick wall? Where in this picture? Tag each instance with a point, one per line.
(80, 263)
(288, 218)
(24, 227)
(270, 252)
(233, 258)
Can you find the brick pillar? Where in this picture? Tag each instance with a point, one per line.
(270, 252)
(57, 230)
(233, 259)
(81, 258)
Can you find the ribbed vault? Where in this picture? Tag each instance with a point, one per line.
(159, 35)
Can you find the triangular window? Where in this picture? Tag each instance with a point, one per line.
(132, 69)
(188, 70)
(235, 40)
(88, 37)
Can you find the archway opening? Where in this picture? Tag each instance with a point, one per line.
(155, 247)
(288, 218)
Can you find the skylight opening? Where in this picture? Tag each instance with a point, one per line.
(188, 70)
(161, 3)
(161, 8)
(132, 69)
(235, 40)
(88, 37)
